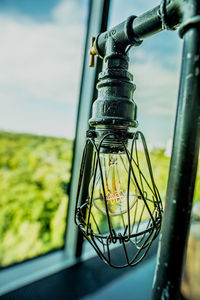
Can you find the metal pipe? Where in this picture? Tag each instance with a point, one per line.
(133, 30)
(175, 226)
(150, 22)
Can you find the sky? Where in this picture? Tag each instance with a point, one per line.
(41, 53)
(41, 56)
(155, 66)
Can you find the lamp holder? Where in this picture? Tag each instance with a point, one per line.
(114, 109)
(123, 37)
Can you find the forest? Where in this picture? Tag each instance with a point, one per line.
(34, 175)
(34, 179)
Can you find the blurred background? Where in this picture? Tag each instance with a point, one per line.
(41, 58)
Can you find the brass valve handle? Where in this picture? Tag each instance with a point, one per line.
(92, 53)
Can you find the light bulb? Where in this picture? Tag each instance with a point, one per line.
(114, 175)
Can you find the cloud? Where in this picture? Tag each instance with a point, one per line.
(156, 84)
(41, 61)
(41, 64)
(70, 11)
(156, 76)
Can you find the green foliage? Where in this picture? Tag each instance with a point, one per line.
(197, 185)
(34, 177)
(160, 165)
(34, 173)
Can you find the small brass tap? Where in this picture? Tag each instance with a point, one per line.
(92, 53)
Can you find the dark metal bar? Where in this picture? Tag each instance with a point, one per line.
(183, 168)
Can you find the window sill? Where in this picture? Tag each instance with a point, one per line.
(84, 278)
(24, 273)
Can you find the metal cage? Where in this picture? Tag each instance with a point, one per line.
(130, 216)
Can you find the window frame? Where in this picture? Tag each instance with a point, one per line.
(28, 271)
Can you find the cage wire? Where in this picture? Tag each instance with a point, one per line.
(123, 207)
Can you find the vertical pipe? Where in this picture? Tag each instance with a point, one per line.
(175, 227)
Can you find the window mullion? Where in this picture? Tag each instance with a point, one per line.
(97, 22)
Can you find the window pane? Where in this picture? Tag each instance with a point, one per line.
(40, 60)
(155, 66)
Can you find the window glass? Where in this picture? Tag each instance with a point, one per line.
(155, 66)
(40, 61)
